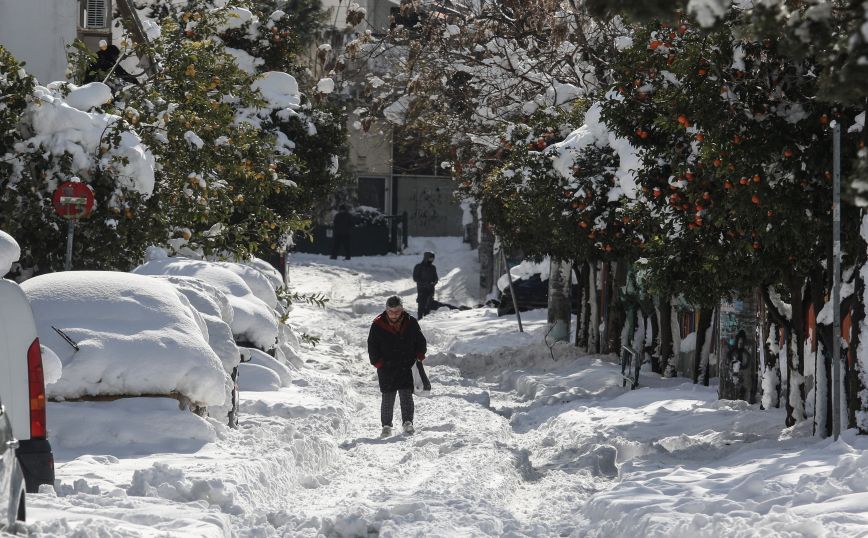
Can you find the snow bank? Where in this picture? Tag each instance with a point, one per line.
(253, 320)
(136, 336)
(260, 358)
(258, 378)
(9, 252)
(125, 427)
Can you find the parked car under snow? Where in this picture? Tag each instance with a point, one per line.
(121, 335)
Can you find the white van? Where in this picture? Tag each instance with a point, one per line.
(22, 386)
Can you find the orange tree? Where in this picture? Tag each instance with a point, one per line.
(736, 164)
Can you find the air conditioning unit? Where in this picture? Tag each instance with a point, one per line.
(96, 14)
(94, 21)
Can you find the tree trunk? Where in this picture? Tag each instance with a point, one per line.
(605, 302)
(652, 347)
(486, 262)
(796, 358)
(580, 269)
(594, 314)
(855, 372)
(702, 326)
(618, 310)
(560, 278)
(667, 359)
(822, 358)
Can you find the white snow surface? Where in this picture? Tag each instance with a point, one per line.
(136, 336)
(510, 443)
(10, 251)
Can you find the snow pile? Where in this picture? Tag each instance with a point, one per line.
(9, 252)
(84, 98)
(61, 128)
(279, 89)
(595, 133)
(253, 319)
(325, 85)
(260, 371)
(126, 427)
(135, 336)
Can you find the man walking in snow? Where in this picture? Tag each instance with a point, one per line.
(425, 276)
(395, 344)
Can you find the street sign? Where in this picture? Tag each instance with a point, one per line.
(73, 200)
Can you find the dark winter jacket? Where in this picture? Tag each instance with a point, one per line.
(343, 223)
(395, 350)
(425, 276)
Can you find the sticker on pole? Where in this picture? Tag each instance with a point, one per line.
(73, 200)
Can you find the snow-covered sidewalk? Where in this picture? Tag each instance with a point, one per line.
(512, 442)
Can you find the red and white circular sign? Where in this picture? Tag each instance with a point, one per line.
(73, 200)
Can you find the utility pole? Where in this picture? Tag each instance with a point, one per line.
(836, 280)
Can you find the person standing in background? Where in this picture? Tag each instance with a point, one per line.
(342, 227)
(425, 276)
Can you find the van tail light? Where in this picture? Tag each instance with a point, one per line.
(37, 391)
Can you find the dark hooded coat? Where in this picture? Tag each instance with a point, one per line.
(394, 350)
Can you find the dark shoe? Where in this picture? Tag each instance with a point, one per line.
(347, 258)
(334, 257)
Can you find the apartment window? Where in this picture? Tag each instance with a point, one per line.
(96, 13)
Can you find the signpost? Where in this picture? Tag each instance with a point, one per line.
(72, 200)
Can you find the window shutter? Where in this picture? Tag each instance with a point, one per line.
(97, 14)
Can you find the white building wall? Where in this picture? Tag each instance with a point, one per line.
(37, 32)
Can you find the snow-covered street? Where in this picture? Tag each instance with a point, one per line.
(516, 440)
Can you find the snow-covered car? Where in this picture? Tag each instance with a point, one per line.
(22, 385)
(217, 313)
(124, 335)
(242, 296)
(11, 476)
(249, 291)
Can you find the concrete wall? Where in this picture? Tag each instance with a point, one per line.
(430, 205)
(370, 152)
(37, 32)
